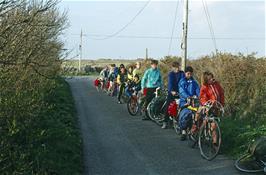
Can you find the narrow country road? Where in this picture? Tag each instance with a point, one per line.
(115, 143)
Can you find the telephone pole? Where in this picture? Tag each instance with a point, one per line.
(184, 38)
(147, 54)
(80, 48)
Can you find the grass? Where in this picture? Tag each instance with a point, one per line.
(60, 151)
(238, 134)
(97, 63)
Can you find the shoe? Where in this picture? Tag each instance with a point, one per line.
(164, 125)
(119, 102)
(183, 135)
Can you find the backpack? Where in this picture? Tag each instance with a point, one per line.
(172, 109)
(96, 82)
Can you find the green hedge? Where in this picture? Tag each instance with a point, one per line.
(49, 142)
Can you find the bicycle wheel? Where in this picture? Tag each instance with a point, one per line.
(150, 112)
(193, 138)
(159, 118)
(176, 126)
(133, 106)
(209, 139)
(248, 164)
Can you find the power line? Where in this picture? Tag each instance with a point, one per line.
(173, 29)
(126, 25)
(169, 37)
(208, 17)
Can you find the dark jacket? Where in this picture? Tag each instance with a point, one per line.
(174, 79)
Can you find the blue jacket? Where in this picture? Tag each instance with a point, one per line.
(174, 79)
(116, 71)
(188, 88)
(152, 79)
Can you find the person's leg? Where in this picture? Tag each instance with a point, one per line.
(149, 96)
(120, 93)
(214, 133)
(128, 91)
(166, 115)
(184, 121)
(114, 89)
(110, 87)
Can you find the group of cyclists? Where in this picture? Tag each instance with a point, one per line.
(181, 83)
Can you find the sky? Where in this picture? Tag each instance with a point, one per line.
(238, 26)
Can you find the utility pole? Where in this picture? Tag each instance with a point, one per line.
(80, 49)
(184, 38)
(147, 56)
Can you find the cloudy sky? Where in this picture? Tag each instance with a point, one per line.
(239, 26)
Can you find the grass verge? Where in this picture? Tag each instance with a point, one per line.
(61, 149)
(238, 134)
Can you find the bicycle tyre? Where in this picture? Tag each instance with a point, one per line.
(208, 138)
(129, 105)
(150, 113)
(176, 126)
(244, 169)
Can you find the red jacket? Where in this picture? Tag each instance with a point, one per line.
(212, 91)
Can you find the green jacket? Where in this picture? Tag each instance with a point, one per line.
(152, 79)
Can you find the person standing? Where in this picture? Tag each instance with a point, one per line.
(151, 80)
(174, 78)
(121, 81)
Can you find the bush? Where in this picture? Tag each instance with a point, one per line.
(31, 130)
(244, 81)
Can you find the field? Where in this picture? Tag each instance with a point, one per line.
(97, 63)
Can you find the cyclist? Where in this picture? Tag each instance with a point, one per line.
(188, 87)
(210, 90)
(135, 86)
(112, 79)
(104, 76)
(137, 70)
(151, 80)
(173, 79)
(130, 75)
(121, 81)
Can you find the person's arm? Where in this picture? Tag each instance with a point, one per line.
(221, 93)
(182, 75)
(182, 90)
(118, 79)
(170, 82)
(160, 80)
(138, 87)
(102, 73)
(134, 72)
(144, 79)
(197, 89)
(203, 95)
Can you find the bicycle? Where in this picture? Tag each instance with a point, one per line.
(133, 104)
(173, 112)
(156, 108)
(254, 161)
(205, 131)
(209, 138)
(193, 105)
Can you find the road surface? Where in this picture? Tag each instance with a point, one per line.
(115, 143)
